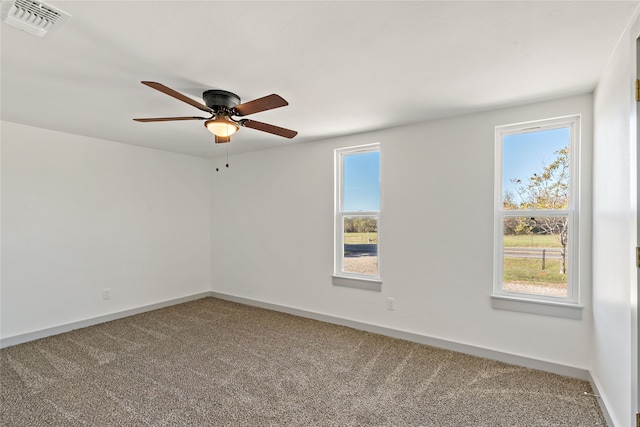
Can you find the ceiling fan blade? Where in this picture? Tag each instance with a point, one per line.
(168, 119)
(265, 127)
(261, 104)
(177, 95)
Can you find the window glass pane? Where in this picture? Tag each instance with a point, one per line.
(535, 170)
(361, 182)
(535, 255)
(361, 245)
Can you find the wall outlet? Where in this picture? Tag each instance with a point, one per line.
(391, 303)
(106, 293)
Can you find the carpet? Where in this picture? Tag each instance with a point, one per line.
(218, 363)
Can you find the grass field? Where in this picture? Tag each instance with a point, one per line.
(360, 238)
(532, 241)
(530, 271)
(516, 270)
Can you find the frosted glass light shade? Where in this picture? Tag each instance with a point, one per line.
(220, 126)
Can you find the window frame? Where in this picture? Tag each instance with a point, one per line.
(341, 277)
(501, 297)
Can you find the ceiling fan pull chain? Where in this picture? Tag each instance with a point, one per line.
(217, 156)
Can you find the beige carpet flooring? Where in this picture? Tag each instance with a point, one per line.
(217, 363)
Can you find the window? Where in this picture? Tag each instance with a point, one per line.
(357, 216)
(536, 241)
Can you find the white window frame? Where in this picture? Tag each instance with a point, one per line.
(568, 306)
(341, 277)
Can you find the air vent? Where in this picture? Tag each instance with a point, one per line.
(35, 17)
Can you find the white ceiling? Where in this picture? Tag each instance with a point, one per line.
(344, 66)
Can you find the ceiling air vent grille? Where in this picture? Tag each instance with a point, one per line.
(35, 17)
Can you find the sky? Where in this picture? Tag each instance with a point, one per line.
(526, 153)
(522, 155)
(362, 181)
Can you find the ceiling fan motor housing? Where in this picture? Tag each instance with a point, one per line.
(220, 98)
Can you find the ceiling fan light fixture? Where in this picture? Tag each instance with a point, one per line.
(221, 126)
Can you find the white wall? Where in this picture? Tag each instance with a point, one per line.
(272, 234)
(81, 214)
(614, 232)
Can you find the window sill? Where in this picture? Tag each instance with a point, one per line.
(544, 308)
(357, 282)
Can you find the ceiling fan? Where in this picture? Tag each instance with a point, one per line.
(222, 105)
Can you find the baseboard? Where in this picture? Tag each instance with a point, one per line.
(601, 401)
(43, 333)
(527, 362)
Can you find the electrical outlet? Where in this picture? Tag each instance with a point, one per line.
(391, 303)
(106, 293)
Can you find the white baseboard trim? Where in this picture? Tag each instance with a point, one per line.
(43, 333)
(526, 362)
(601, 400)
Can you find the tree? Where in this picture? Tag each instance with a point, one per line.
(510, 223)
(548, 189)
(360, 224)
